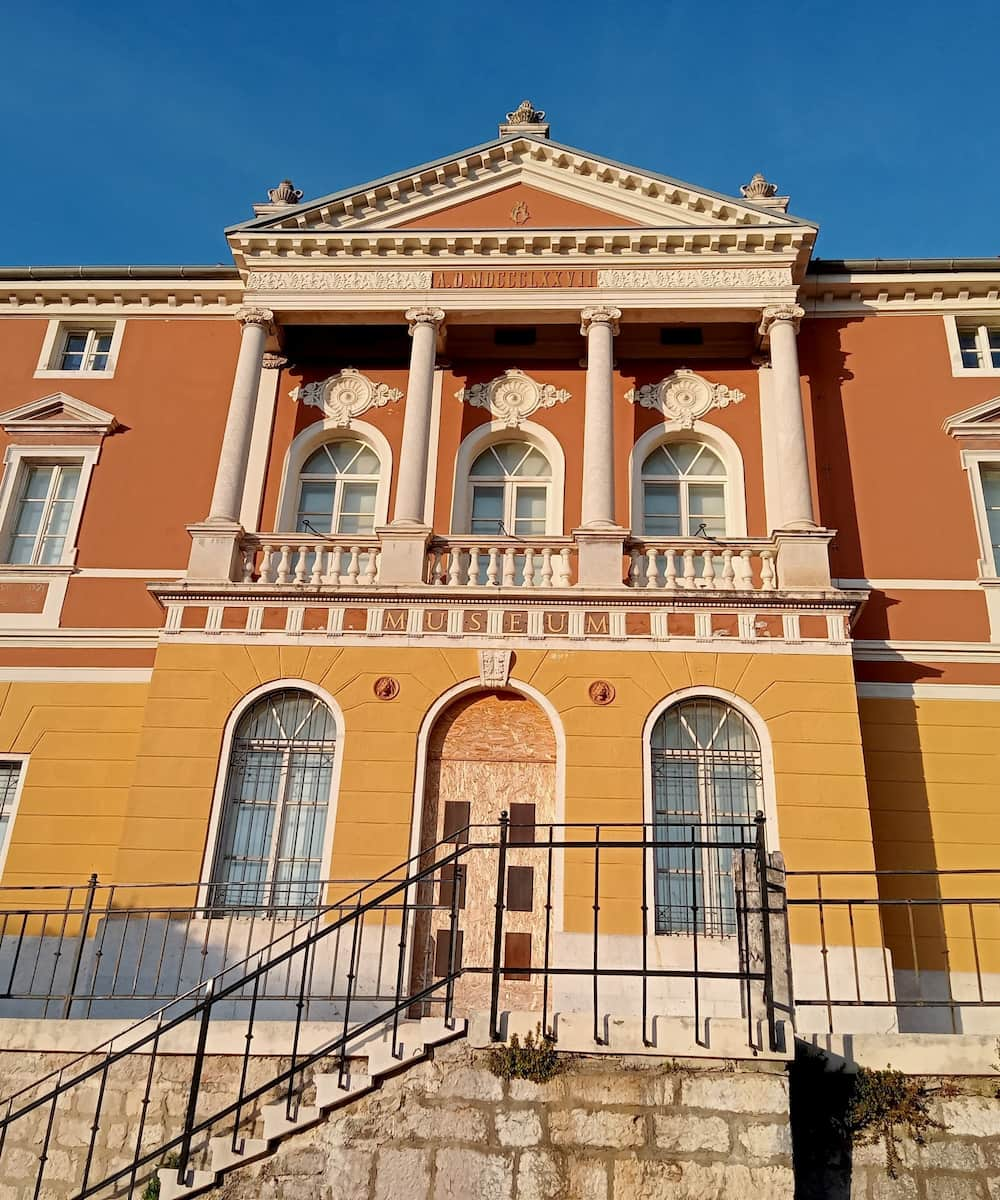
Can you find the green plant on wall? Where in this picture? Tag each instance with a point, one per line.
(534, 1059)
(885, 1105)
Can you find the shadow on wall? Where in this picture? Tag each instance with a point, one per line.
(821, 1145)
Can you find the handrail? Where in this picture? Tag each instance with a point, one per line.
(430, 866)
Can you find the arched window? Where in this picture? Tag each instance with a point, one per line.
(275, 804)
(509, 486)
(707, 785)
(684, 491)
(338, 485)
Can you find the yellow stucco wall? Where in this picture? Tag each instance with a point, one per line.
(82, 739)
(934, 785)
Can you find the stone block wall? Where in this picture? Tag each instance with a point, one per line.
(605, 1129)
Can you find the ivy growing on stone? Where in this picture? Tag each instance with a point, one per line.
(884, 1105)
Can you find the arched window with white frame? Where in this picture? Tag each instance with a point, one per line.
(337, 489)
(707, 786)
(684, 491)
(510, 485)
(275, 804)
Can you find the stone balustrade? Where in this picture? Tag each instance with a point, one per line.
(679, 564)
(503, 562)
(275, 560)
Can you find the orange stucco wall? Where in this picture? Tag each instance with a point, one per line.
(541, 210)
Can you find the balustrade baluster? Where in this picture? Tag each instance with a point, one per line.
(652, 568)
(767, 578)
(744, 565)
(509, 566)
(670, 570)
(353, 567)
(316, 578)
(454, 566)
(492, 567)
(564, 567)
(301, 559)
(708, 579)
(368, 578)
(336, 563)
(689, 572)
(284, 565)
(547, 567)
(635, 572)
(528, 575)
(473, 577)
(728, 571)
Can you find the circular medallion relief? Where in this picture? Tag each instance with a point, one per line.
(386, 688)
(601, 692)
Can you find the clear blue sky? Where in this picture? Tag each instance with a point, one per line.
(134, 132)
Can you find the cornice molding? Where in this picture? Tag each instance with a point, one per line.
(57, 414)
(346, 395)
(980, 421)
(684, 396)
(512, 397)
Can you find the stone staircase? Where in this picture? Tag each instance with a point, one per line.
(371, 1060)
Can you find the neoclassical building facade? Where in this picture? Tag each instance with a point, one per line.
(518, 482)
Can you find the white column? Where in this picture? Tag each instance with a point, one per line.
(411, 484)
(229, 478)
(780, 325)
(599, 326)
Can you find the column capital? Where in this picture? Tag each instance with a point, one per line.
(775, 313)
(602, 315)
(424, 316)
(252, 315)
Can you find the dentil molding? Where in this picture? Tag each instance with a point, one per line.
(346, 395)
(512, 397)
(684, 397)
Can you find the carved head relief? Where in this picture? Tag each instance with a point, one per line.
(512, 397)
(684, 397)
(346, 395)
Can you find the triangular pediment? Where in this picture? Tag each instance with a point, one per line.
(479, 188)
(57, 413)
(982, 420)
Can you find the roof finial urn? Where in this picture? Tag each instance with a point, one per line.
(525, 119)
(762, 192)
(284, 193)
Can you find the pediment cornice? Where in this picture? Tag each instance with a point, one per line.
(980, 421)
(57, 414)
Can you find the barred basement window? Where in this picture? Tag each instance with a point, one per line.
(277, 798)
(707, 787)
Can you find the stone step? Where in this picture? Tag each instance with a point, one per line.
(277, 1124)
(224, 1156)
(329, 1093)
(194, 1184)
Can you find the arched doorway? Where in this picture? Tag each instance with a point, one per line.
(488, 752)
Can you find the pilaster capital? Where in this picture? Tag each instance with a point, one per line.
(251, 315)
(424, 316)
(775, 313)
(603, 315)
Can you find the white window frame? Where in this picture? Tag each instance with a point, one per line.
(310, 440)
(17, 460)
(55, 339)
(982, 323)
(491, 434)
(22, 761)
(715, 439)
(989, 580)
(340, 480)
(683, 484)
(510, 485)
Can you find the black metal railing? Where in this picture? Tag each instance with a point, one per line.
(920, 946)
(465, 938)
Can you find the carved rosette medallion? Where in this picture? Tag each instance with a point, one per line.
(346, 395)
(684, 397)
(601, 692)
(513, 397)
(386, 688)
(494, 668)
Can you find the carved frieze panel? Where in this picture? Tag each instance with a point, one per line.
(346, 395)
(339, 281)
(512, 397)
(706, 277)
(684, 396)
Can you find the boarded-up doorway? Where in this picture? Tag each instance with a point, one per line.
(489, 752)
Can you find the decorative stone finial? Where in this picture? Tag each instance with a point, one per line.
(284, 193)
(525, 114)
(525, 119)
(758, 188)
